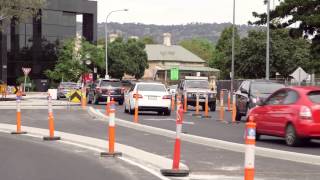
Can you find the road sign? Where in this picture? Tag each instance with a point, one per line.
(75, 96)
(174, 74)
(26, 71)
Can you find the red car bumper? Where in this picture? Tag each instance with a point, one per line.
(308, 129)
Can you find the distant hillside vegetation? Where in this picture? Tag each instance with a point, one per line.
(179, 32)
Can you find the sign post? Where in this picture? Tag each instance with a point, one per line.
(26, 71)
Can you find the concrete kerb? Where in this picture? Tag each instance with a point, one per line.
(215, 143)
(153, 161)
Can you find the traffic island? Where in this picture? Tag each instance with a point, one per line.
(114, 154)
(175, 172)
(49, 138)
(19, 133)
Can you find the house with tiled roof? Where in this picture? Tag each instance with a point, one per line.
(163, 57)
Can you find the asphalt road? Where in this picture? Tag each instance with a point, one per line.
(213, 128)
(201, 160)
(26, 158)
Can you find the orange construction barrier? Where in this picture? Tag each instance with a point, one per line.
(234, 109)
(136, 108)
(221, 106)
(197, 106)
(250, 140)
(18, 117)
(176, 171)
(206, 108)
(185, 101)
(108, 104)
(229, 101)
(51, 136)
(172, 102)
(112, 133)
(84, 99)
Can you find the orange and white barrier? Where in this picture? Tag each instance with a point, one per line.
(108, 104)
(51, 136)
(112, 133)
(136, 108)
(229, 101)
(18, 117)
(172, 102)
(234, 109)
(206, 107)
(197, 113)
(84, 99)
(185, 102)
(250, 140)
(221, 106)
(176, 171)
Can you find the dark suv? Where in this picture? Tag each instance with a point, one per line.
(252, 91)
(193, 85)
(99, 91)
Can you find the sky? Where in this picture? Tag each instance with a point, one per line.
(169, 12)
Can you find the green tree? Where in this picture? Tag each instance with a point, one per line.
(286, 54)
(306, 14)
(19, 9)
(199, 46)
(148, 40)
(222, 55)
(117, 58)
(137, 58)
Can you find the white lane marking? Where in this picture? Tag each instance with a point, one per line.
(184, 122)
(151, 171)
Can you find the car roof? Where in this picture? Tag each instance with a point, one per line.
(305, 89)
(262, 81)
(153, 83)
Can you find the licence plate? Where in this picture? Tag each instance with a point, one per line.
(201, 100)
(152, 97)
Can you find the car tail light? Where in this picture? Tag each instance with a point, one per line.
(305, 113)
(135, 95)
(99, 90)
(122, 90)
(166, 97)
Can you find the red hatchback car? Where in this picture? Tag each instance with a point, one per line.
(292, 113)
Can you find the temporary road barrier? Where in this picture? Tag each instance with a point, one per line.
(84, 98)
(108, 104)
(18, 117)
(206, 108)
(176, 171)
(185, 102)
(229, 101)
(221, 106)
(112, 133)
(234, 109)
(172, 102)
(197, 106)
(75, 96)
(250, 140)
(51, 136)
(136, 108)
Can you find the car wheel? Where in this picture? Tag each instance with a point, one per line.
(238, 115)
(291, 136)
(203, 107)
(167, 112)
(258, 136)
(120, 102)
(213, 106)
(160, 113)
(125, 109)
(89, 100)
(95, 100)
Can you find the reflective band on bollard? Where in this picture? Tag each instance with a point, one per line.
(112, 133)
(185, 100)
(51, 136)
(176, 171)
(136, 108)
(234, 109)
(250, 140)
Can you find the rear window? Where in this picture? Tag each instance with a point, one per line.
(151, 87)
(314, 96)
(111, 83)
(197, 84)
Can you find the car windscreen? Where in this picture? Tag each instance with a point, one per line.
(110, 83)
(151, 87)
(197, 84)
(314, 96)
(265, 89)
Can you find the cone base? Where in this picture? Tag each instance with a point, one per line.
(196, 115)
(18, 133)
(206, 117)
(107, 154)
(49, 138)
(175, 172)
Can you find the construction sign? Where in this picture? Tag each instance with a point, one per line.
(75, 96)
(14, 90)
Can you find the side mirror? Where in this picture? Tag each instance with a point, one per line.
(243, 91)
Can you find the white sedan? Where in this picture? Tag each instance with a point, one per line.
(151, 97)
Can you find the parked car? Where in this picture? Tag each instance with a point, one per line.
(173, 89)
(250, 91)
(192, 85)
(292, 113)
(100, 90)
(65, 87)
(152, 97)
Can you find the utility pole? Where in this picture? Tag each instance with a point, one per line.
(268, 43)
(233, 36)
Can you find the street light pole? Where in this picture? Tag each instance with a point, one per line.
(233, 36)
(268, 42)
(106, 39)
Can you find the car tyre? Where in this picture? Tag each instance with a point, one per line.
(258, 136)
(167, 112)
(125, 109)
(291, 136)
(120, 102)
(95, 100)
(213, 106)
(88, 100)
(238, 115)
